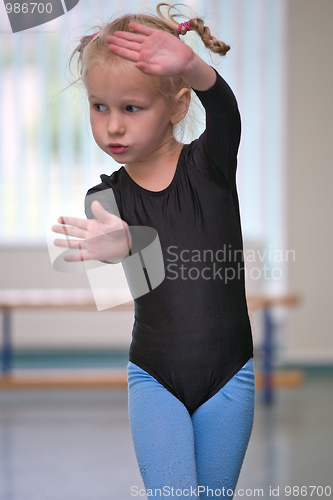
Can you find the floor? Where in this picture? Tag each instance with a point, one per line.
(76, 445)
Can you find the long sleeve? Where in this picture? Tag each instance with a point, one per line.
(220, 141)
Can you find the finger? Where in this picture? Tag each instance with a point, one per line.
(125, 53)
(74, 221)
(141, 28)
(60, 229)
(101, 214)
(149, 69)
(77, 257)
(73, 244)
(69, 231)
(126, 35)
(126, 44)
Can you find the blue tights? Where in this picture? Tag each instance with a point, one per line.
(182, 456)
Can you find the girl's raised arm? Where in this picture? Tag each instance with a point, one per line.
(159, 53)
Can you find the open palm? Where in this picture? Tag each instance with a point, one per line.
(155, 52)
(104, 238)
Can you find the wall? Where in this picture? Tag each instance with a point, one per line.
(310, 177)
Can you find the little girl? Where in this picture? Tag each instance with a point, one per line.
(190, 374)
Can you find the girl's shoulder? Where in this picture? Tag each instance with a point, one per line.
(196, 158)
(106, 192)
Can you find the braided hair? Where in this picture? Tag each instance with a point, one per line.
(195, 24)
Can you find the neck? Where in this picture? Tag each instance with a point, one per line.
(156, 173)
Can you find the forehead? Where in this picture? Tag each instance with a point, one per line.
(120, 80)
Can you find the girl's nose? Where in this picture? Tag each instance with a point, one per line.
(115, 124)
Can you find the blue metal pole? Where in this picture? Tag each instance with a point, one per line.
(6, 342)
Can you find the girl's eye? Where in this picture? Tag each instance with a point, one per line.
(98, 106)
(132, 109)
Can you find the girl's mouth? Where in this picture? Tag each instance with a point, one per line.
(117, 148)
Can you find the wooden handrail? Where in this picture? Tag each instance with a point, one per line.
(82, 298)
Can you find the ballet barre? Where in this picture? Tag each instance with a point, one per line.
(83, 299)
(39, 298)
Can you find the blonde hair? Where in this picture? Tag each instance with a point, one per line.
(92, 50)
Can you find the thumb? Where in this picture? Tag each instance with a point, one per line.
(100, 213)
(110, 220)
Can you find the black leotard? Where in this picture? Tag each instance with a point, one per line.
(192, 333)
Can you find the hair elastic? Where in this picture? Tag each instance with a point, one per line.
(94, 35)
(186, 24)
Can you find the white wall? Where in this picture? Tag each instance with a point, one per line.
(310, 177)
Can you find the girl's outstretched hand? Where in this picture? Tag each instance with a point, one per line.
(105, 238)
(155, 52)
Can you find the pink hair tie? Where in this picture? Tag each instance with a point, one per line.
(94, 34)
(186, 24)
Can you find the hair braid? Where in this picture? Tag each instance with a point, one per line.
(210, 41)
(197, 24)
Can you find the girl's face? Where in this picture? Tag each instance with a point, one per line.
(130, 120)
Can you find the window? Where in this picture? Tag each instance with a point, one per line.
(48, 156)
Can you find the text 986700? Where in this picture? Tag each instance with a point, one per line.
(28, 8)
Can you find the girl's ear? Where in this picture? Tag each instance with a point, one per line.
(183, 99)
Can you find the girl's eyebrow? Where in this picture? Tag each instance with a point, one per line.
(138, 99)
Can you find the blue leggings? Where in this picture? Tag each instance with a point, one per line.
(182, 456)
